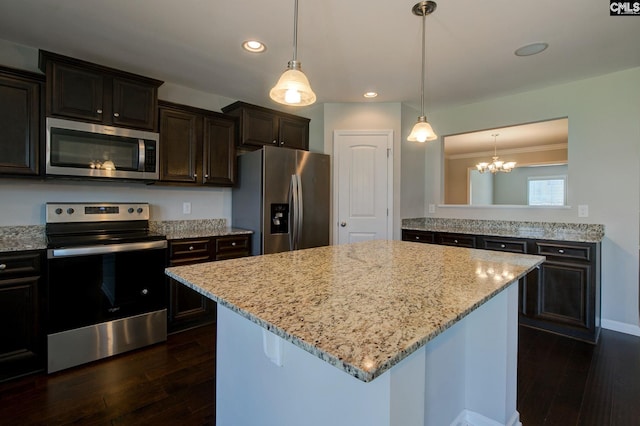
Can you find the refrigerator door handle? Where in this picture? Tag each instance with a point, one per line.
(293, 212)
(299, 209)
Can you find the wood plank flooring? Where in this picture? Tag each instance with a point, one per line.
(560, 382)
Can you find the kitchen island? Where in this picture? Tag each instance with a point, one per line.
(373, 333)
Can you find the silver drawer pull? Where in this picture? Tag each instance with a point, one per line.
(115, 114)
(455, 241)
(233, 244)
(190, 248)
(502, 246)
(561, 251)
(3, 266)
(99, 111)
(417, 237)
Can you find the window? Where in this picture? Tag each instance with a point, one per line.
(547, 190)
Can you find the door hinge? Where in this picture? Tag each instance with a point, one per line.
(387, 212)
(388, 152)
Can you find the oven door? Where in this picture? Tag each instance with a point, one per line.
(93, 285)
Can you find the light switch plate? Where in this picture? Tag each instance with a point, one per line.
(432, 208)
(186, 208)
(583, 210)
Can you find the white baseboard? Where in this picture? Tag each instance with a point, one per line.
(471, 418)
(621, 327)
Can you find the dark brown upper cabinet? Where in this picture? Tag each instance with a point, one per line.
(84, 91)
(261, 126)
(196, 146)
(20, 122)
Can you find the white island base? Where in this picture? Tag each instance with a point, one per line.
(464, 376)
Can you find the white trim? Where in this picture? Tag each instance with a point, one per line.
(523, 150)
(621, 327)
(472, 418)
(390, 152)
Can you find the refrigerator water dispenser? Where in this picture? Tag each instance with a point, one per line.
(279, 218)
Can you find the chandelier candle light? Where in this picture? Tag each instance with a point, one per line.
(422, 130)
(293, 88)
(496, 165)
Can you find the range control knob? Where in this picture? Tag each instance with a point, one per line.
(140, 210)
(58, 210)
(70, 210)
(130, 210)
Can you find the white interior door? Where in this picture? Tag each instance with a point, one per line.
(363, 190)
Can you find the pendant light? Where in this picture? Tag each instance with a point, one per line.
(293, 88)
(496, 165)
(422, 130)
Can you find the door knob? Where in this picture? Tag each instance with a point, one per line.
(343, 224)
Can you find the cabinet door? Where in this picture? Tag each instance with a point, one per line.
(232, 247)
(179, 147)
(20, 344)
(76, 93)
(293, 133)
(20, 124)
(258, 128)
(564, 293)
(219, 156)
(134, 104)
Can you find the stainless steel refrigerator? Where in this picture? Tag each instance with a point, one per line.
(283, 196)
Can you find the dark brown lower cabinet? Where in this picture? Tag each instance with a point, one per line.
(561, 296)
(188, 308)
(21, 345)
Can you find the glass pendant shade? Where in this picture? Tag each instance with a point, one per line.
(422, 131)
(293, 88)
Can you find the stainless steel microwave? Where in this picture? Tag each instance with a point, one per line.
(76, 148)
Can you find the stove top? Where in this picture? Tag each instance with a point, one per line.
(86, 224)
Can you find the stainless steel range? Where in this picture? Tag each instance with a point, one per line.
(106, 284)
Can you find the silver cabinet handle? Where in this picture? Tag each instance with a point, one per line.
(502, 246)
(190, 248)
(144, 292)
(275, 142)
(233, 244)
(561, 251)
(206, 176)
(99, 111)
(281, 143)
(343, 224)
(3, 266)
(417, 237)
(455, 241)
(115, 114)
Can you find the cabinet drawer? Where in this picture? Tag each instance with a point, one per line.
(236, 243)
(565, 251)
(21, 264)
(184, 251)
(459, 240)
(419, 236)
(512, 246)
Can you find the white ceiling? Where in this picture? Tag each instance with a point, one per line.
(346, 47)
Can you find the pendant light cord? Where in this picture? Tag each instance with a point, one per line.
(424, 17)
(295, 31)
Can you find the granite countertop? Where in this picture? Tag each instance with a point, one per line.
(32, 237)
(570, 232)
(361, 307)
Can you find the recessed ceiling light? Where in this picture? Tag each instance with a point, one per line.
(254, 46)
(371, 94)
(531, 49)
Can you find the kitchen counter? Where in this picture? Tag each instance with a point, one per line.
(22, 238)
(32, 237)
(198, 228)
(576, 232)
(362, 308)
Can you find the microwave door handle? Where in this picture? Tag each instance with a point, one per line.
(141, 155)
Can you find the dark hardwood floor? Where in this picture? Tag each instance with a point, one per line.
(560, 382)
(165, 384)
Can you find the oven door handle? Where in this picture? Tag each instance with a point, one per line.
(105, 249)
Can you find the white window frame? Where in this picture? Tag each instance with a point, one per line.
(543, 178)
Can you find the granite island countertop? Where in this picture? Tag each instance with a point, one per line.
(361, 307)
(575, 232)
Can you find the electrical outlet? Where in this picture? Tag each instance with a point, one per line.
(186, 207)
(583, 210)
(432, 208)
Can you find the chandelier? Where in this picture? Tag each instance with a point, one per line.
(496, 165)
